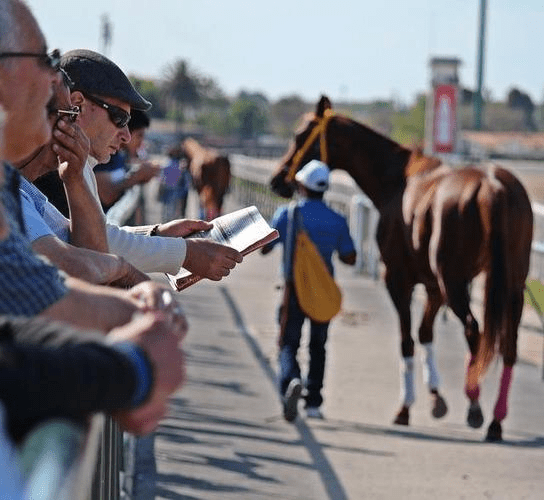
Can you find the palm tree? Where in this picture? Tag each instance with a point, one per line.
(181, 88)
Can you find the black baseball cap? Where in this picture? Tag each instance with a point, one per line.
(94, 73)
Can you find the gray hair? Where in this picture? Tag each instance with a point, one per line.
(11, 29)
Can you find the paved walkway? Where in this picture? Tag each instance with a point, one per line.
(225, 437)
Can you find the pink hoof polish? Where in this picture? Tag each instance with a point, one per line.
(500, 411)
(501, 407)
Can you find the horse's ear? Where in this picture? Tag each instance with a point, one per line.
(323, 104)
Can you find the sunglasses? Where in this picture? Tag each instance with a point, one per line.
(51, 60)
(118, 116)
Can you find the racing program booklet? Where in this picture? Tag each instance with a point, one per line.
(245, 230)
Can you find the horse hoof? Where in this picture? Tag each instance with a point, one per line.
(475, 417)
(494, 432)
(440, 408)
(403, 416)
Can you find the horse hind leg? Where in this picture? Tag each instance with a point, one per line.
(494, 431)
(459, 302)
(430, 370)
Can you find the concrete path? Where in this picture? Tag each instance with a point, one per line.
(225, 437)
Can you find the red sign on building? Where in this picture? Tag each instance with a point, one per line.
(444, 119)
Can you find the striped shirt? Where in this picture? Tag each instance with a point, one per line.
(28, 283)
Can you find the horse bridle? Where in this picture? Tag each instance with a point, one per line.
(320, 129)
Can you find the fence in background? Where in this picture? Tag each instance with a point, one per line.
(250, 186)
(251, 177)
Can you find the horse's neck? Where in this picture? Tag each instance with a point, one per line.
(375, 163)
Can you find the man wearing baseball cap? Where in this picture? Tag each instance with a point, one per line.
(329, 232)
(105, 97)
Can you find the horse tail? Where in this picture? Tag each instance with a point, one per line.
(498, 285)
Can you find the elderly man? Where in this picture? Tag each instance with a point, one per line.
(105, 97)
(71, 146)
(144, 364)
(30, 286)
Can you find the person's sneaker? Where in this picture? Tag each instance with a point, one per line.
(290, 400)
(313, 412)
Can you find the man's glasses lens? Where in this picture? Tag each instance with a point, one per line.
(117, 115)
(51, 60)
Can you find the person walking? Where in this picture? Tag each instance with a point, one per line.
(329, 232)
(174, 185)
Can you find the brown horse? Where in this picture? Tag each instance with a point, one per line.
(211, 176)
(441, 227)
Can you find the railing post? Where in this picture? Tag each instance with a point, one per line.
(373, 251)
(363, 220)
(357, 223)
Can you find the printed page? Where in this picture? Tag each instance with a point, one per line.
(245, 230)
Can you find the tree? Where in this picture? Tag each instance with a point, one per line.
(519, 100)
(285, 113)
(181, 88)
(247, 115)
(150, 91)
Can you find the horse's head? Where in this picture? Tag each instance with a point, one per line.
(309, 144)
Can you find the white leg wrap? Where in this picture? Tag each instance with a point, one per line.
(430, 373)
(408, 393)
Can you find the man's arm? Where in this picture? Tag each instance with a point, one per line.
(111, 189)
(87, 224)
(167, 254)
(95, 267)
(134, 375)
(102, 307)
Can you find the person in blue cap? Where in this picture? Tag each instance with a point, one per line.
(330, 233)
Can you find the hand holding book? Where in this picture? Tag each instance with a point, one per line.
(245, 230)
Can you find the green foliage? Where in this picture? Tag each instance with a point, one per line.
(408, 127)
(184, 95)
(247, 115)
(181, 84)
(149, 90)
(285, 113)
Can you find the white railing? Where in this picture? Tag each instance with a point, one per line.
(251, 179)
(537, 255)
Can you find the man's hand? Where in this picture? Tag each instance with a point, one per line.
(210, 259)
(143, 173)
(155, 334)
(72, 147)
(151, 296)
(183, 227)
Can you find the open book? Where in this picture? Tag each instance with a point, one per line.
(245, 230)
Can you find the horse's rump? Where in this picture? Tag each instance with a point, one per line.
(475, 212)
(211, 175)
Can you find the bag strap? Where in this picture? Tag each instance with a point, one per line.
(289, 252)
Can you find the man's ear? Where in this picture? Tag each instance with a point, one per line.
(77, 98)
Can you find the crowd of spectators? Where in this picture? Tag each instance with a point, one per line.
(83, 329)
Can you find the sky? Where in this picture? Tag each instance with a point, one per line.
(347, 49)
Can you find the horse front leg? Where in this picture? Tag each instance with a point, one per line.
(401, 292)
(430, 371)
